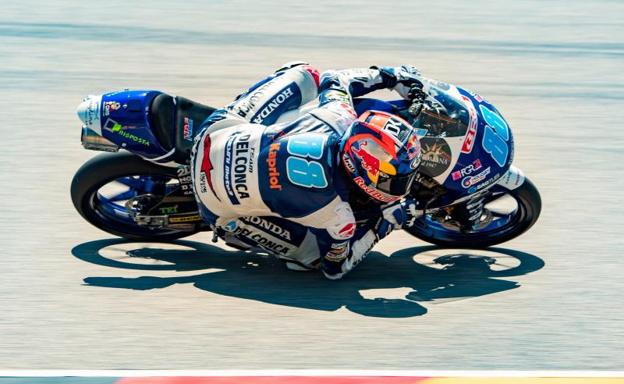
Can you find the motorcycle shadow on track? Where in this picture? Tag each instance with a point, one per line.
(382, 286)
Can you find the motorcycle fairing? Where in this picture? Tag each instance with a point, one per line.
(457, 148)
(124, 117)
(479, 144)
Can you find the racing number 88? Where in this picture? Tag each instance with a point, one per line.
(495, 139)
(309, 174)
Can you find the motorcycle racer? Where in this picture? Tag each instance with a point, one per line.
(288, 188)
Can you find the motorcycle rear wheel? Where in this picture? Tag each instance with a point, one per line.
(109, 214)
(503, 228)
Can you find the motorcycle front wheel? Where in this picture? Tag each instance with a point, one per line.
(102, 186)
(524, 205)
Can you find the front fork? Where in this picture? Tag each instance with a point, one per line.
(470, 215)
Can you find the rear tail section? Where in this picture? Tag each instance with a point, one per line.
(151, 124)
(122, 119)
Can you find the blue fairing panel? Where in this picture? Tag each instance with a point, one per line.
(125, 122)
(364, 104)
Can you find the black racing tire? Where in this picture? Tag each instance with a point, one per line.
(529, 208)
(105, 168)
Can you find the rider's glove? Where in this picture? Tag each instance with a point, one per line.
(397, 216)
(405, 79)
(416, 94)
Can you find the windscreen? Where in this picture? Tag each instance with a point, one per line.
(442, 115)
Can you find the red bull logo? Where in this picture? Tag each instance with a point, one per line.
(369, 162)
(375, 193)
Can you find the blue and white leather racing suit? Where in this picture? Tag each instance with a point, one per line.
(280, 188)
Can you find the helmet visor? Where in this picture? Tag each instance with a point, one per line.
(396, 185)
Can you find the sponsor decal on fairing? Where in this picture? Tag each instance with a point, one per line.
(476, 96)
(467, 170)
(188, 129)
(115, 127)
(469, 181)
(168, 210)
(110, 106)
(487, 183)
(185, 219)
(436, 156)
(472, 126)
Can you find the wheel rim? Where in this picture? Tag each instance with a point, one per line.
(501, 225)
(107, 201)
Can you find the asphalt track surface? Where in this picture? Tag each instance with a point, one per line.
(343, 379)
(72, 296)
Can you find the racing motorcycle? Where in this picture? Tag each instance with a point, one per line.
(470, 194)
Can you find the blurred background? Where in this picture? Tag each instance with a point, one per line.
(72, 296)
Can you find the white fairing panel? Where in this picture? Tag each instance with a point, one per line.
(89, 112)
(512, 179)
